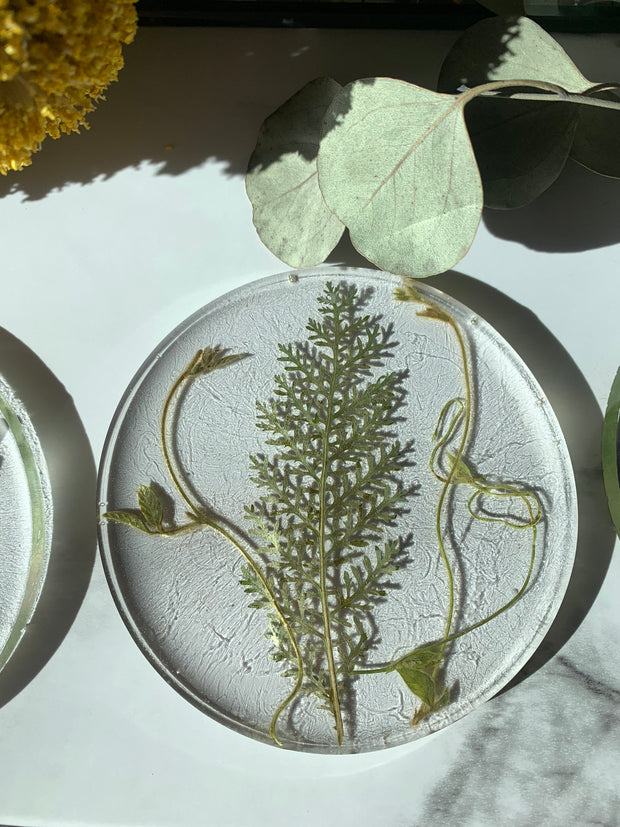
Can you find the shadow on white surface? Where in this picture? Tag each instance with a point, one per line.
(578, 212)
(72, 475)
(188, 95)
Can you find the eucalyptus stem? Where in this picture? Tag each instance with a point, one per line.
(550, 92)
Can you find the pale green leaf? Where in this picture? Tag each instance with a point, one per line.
(150, 506)
(290, 215)
(460, 470)
(610, 452)
(422, 658)
(397, 167)
(521, 146)
(509, 48)
(597, 140)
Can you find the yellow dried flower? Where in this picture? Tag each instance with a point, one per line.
(56, 60)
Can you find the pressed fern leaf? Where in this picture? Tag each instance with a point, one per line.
(331, 485)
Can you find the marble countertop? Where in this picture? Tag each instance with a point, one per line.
(115, 236)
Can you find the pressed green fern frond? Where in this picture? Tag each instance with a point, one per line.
(330, 488)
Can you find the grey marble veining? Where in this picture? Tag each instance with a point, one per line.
(544, 753)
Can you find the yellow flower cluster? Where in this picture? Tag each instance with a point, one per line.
(56, 60)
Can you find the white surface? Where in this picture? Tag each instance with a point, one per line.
(110, 241)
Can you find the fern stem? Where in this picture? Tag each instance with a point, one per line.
(329, 648)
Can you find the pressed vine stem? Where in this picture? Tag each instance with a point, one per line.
(498, 491)
(205, 520)
(448, 481)
(164, 440)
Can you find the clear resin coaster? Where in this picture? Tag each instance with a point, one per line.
(334, 520)
(25, 521)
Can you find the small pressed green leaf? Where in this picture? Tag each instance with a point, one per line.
(407, 292)
(596, 144)
(212, 358)
(434, 312)
(150, 506)
(422, 658)
(461, 472)
(397, 167)
(290, 214)
(419, 682)
(230, 359)
(128, 518)
(610, 452)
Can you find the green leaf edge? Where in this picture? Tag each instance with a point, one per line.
(129, 518)
(609, 455)
(150, 506)
(420, 683)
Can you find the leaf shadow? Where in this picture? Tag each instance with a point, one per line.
(72, 473)
(497, 48)
(578, 212)
(581, 420)
(191, 95)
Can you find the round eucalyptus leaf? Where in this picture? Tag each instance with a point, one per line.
(597, 139)
(289, 212)
(397, 167)
(521, 147)
(509, 48)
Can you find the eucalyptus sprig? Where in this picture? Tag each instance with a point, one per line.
(408, 170)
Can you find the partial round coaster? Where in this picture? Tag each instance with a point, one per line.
(25, 521)
(347, 575)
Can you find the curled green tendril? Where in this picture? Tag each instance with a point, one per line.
(420, 667)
